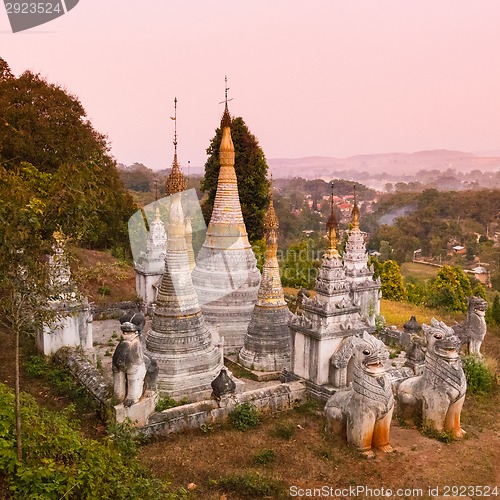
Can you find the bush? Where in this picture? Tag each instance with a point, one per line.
(284, 431)
(168, 402)
(59, 463)
(265, 457)
(481, 378)
(244, 417)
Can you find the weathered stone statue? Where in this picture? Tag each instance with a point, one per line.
(137, 318)
(440, 391)
(364, 410)
(472, 332)
(134, 373)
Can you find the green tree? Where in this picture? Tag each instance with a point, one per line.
(385, 251)
(392, 281)
(450, 289)
(24, 284)
(251, 172)
(47, 127)
(493, 312)
(299, 267)
(417, 290)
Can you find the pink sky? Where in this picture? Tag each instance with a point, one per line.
(330, 78)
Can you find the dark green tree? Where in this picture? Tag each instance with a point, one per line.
(251, 172)
(45, 126)
(493, 311)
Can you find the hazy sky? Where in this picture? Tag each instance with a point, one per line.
(330, 78)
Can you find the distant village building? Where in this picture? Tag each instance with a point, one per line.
(459, 250)
(482, 275)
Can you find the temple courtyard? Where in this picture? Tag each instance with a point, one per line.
(291, 448)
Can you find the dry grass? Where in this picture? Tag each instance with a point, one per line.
(101, 277)
(420, 271)
(311, 458)
(398, 313)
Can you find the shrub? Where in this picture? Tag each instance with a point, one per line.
(168, 402)
(59, 463)
(284, 431)
(481, 378)
(244, 416)
(265, 457)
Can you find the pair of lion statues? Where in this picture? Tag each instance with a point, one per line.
(363, 411)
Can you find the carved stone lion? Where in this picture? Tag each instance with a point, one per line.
(363, 411)
(440, 391)
(472, 332)
(134, 373)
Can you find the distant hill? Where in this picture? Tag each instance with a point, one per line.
(314, 167)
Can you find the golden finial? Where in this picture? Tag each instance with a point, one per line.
(331, 231)
(355, 212)
(59, 236)
(226, 117)
(175, 181)
(271, 220)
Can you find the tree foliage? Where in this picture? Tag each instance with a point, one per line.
(251, 171)
(450, 290)
(45, 129)
(60, 463)
(429, 220)
(392, 281)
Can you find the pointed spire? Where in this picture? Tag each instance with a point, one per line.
(270, 220)
(355, 213)
(226, 275)
(176, 181)
(331, 231)
(270, 290)
(226, 117)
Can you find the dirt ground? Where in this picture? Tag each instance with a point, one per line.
(313, 459)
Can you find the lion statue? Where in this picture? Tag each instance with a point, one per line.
(363, 411)
(440, 391)
(134, 373)
(472, 332)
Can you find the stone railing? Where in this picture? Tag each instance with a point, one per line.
(272, 399)
(86, 374)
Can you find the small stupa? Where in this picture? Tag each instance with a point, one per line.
(151, 264)
(179, 339)
(73, 326)
(176, 182)
(365, 291)
(326, 319)
(267, 342)
(226, 276)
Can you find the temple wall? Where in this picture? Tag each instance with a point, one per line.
(73, 330)
(86, 374)
(144, 286)
(192, 416)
